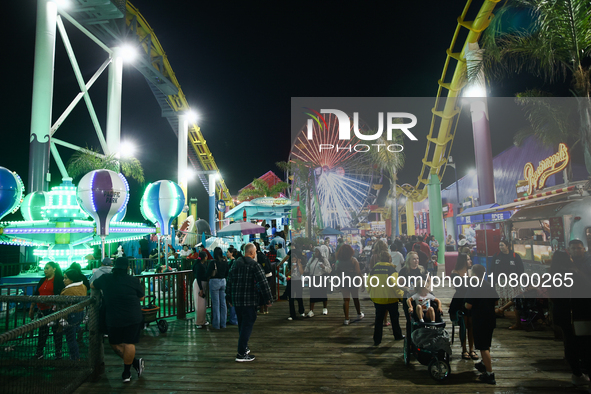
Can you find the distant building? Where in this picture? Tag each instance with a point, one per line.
(270, 178)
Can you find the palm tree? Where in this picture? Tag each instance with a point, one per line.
(301, 172)
(550, 121)
(261, 188)
(391, 163)
(556, 44)
(90, 159)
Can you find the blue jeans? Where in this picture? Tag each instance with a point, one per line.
(233, 318)
(247, 315)
(74, 320)
(219, 312)
(44, 334)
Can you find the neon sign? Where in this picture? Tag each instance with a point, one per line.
(536, 179)
(271, 202)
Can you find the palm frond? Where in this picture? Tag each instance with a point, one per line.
(278, 188)
(249, 193)
(550, 121)
(260, 188)
(284, 166)
(82, 162)
(132, 168)
(382, 158)
(556, 41)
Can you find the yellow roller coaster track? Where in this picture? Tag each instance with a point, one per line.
(446, 111)
(178, 103)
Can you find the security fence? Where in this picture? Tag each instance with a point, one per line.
(55, 351)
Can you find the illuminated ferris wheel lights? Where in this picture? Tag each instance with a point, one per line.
(342, 176)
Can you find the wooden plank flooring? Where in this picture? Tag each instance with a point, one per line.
(320, 354)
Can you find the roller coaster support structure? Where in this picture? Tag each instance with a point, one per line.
(114, 90)
(211, 191)
(183, 149)
(410, 218)
(45, 37)
(436, 214)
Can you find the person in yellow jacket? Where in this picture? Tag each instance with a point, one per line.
(385, 295)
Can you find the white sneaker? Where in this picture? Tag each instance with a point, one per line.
(303, 315)
(582, 380)
(324, 311)
(311, 314)
(360, 316)
(290, 318)
(346, 323)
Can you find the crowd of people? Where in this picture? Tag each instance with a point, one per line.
(474, 309)
(241, 285)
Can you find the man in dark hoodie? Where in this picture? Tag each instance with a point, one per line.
(245, 280)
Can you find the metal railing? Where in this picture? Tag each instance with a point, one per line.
(173, 292)
(14, 313)
(31, 357)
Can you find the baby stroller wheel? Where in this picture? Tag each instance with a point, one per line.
(162, 326)
(406, 351)
(439, 369)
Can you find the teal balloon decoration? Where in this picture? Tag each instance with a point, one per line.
(33, 205)
(161, 203)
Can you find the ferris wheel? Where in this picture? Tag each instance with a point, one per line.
(340, 178)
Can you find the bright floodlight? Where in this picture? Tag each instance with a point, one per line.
(62, 3)
(192, 116)
(190, 173)
(475, 90)
(472, 172)
(127, 149)
(128, 53)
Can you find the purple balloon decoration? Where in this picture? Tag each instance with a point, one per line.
(103, 194)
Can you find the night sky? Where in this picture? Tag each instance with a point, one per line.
(238, 65)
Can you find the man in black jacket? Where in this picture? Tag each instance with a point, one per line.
(122, 294)
(244, 278)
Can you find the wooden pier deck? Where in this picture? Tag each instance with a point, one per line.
(321, 355)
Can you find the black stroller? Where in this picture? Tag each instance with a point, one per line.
(429, 343)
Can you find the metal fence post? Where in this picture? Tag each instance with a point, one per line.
(96, 352)
(181, 296)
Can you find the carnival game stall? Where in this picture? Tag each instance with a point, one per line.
(268, 209)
